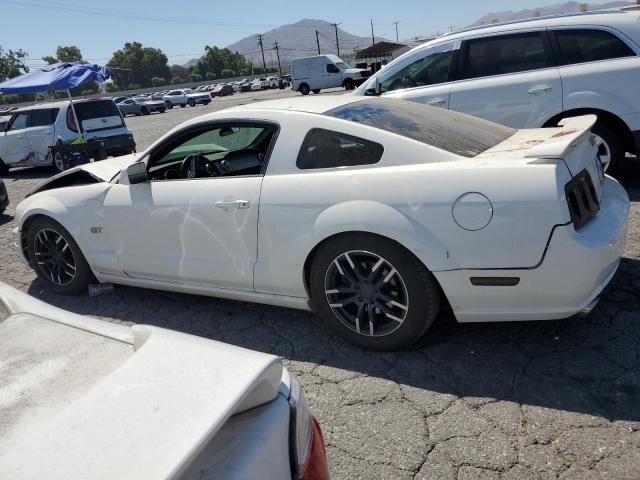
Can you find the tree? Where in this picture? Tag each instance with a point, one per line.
(142, 63)
(176, 81)
(211, 76)
(158, 81)
(216, 60)
(180, 72)
(112, 87)
(12, 63)
(196, 77)
(70, 53)
(227, 72)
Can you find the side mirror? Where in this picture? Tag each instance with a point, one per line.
(137, 173)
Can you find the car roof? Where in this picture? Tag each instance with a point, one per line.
(62, 103)
(611, 17)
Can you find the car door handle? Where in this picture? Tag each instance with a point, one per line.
(540, 89)
(436, 101)
(237, 204)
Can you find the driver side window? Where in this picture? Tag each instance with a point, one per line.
(214, 151)
(429, 70)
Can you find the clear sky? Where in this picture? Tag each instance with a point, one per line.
(101, 27)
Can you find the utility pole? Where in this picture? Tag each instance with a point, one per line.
(264, 64)
(318, 42)
(335, 25)
(373, 39)
(396, 24)
(275, 46)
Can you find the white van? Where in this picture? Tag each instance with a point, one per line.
(312, 74)
(40, 135)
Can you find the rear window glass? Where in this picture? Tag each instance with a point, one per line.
(328, 149)
(96, 109)
(579, 46)
(450, 131)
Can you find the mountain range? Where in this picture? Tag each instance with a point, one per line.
(557, 9)
(299, 39)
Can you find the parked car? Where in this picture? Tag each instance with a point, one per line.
(135, 106)
(373, 213)
(4, 196)
(532, 73)
(312, 74)
(117, 100)
(187, 406)
(38, 135)
(221, 91)
(185, 97)
(260, 84)
(273, 82)
(246, 86)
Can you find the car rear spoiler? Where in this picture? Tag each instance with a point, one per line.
(574, 130)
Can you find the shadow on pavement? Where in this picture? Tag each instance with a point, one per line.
(588, 365)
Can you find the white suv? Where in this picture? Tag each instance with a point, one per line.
(47, 134)
(531, 74)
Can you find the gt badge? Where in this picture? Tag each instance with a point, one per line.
(96, 229)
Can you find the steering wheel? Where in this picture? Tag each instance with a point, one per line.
(409, 82)
(196, 166)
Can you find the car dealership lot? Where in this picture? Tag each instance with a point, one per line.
(529, 400)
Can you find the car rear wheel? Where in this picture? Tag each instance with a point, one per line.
(56, 257)
(611, 150)
(4, 170)
(162, 110)
(372, 292)
(58, 162)
(316, 90)
(145, 111)
(192, 102)
(304, 89)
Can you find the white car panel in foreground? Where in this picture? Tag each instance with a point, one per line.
(367, 207)
(83, 398)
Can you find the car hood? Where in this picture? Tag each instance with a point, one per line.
(120, 402)
(354, 70)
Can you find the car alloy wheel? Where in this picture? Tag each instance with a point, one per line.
(366, 293)
(58, 162)
(604, 152)
(54, 257)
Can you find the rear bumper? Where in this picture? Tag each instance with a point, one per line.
(577, 266)
(101, 148)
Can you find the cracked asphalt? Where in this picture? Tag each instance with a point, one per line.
(536, 400)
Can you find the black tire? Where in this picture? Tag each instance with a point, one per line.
(316, 91)
(83, 275)
(419, 296)
(168, 104)
(58, 161)
(192, 102)
(144, 111)
(4, 170)
(348, 84)
(304, 89)
(613, 145)
(162, 110)
(182, 105)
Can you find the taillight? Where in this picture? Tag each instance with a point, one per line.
(308, 455)
(71, 121)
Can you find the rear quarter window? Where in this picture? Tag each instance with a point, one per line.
(453, 132)
(329, 149)
(581, 46)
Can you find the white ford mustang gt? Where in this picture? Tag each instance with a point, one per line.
(372, 212)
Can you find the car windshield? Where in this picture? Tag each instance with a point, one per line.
(342, 65)
(453, 132)
(188, 90)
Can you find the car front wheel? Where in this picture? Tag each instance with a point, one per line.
(56, 257)
(372, 292)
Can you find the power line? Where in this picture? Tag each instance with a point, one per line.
(264, 65)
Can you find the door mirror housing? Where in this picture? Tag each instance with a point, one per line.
(137, 173)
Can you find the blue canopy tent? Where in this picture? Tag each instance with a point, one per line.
(59, 76)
